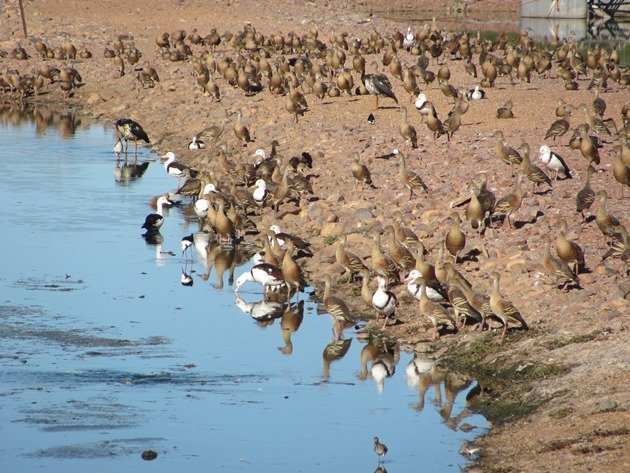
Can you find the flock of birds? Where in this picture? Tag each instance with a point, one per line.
(230, 195)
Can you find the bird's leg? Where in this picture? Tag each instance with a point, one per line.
(556, 178)
(376, 97)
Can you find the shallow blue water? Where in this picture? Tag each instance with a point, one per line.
(106, 354)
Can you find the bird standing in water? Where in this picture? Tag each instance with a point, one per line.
(380, 449)
(130, 130)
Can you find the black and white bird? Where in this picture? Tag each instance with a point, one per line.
(196, 143)
(476, 94)
(202, 205)
(268, 275)
(409, 40)
(130, 131)
(420, 100)
(154, 221)
(281, 238)
(176, 169)
(187, 242)
(383, 301)
(118, 148)
(414, 282)
(186, 279)
(261, 311)
(384, 366)
(378, 85)
(554, 162)
(261, 193)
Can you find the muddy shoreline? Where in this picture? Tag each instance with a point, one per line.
(566, 379)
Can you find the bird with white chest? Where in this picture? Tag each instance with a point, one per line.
(267, 275)
(176, 169)
(554, 161)
(260, 194)
(154, 221)
(384, 301)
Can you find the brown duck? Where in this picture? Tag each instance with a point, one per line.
(351, 263)
(510, 203)
(569, 251)
(586, 196)
(558, 269)
(532, 172)
(608, 224)
(360, 171)
(455, 239)
(409, 179)
(621, 172)
(506, 154)
(503, 308)
(407, 131)
(291, 271)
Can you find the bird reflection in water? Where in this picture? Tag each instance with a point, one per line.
(334, 351)
(222, 259)
(290, 323)
(186, 277)
(43, 117)
(153, 238)
(263, 312)
(384, 355)
(125, 173)
(424, 373)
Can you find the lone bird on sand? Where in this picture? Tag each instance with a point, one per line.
(380, 449)
(130, 130)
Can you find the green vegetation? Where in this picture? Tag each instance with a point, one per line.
(561, 413)
(559, 343)
(504, 383)
(329, 240)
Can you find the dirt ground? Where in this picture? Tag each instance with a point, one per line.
(558, 394)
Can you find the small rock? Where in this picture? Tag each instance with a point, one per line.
(149, 455)
(428, 215)
(94, 98)
(364, 215)
(607, 405)
(330, 229)
(517, 267)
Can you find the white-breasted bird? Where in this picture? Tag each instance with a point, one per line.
(554, 161)
(409, 40)
(268, 275)
(196, 143)
(176, 169)
(187, 242)
(413, 287)
(154, 221)
(384, 301)
(260, 194)
(420, 100)
(202, 205)
(476, 94)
